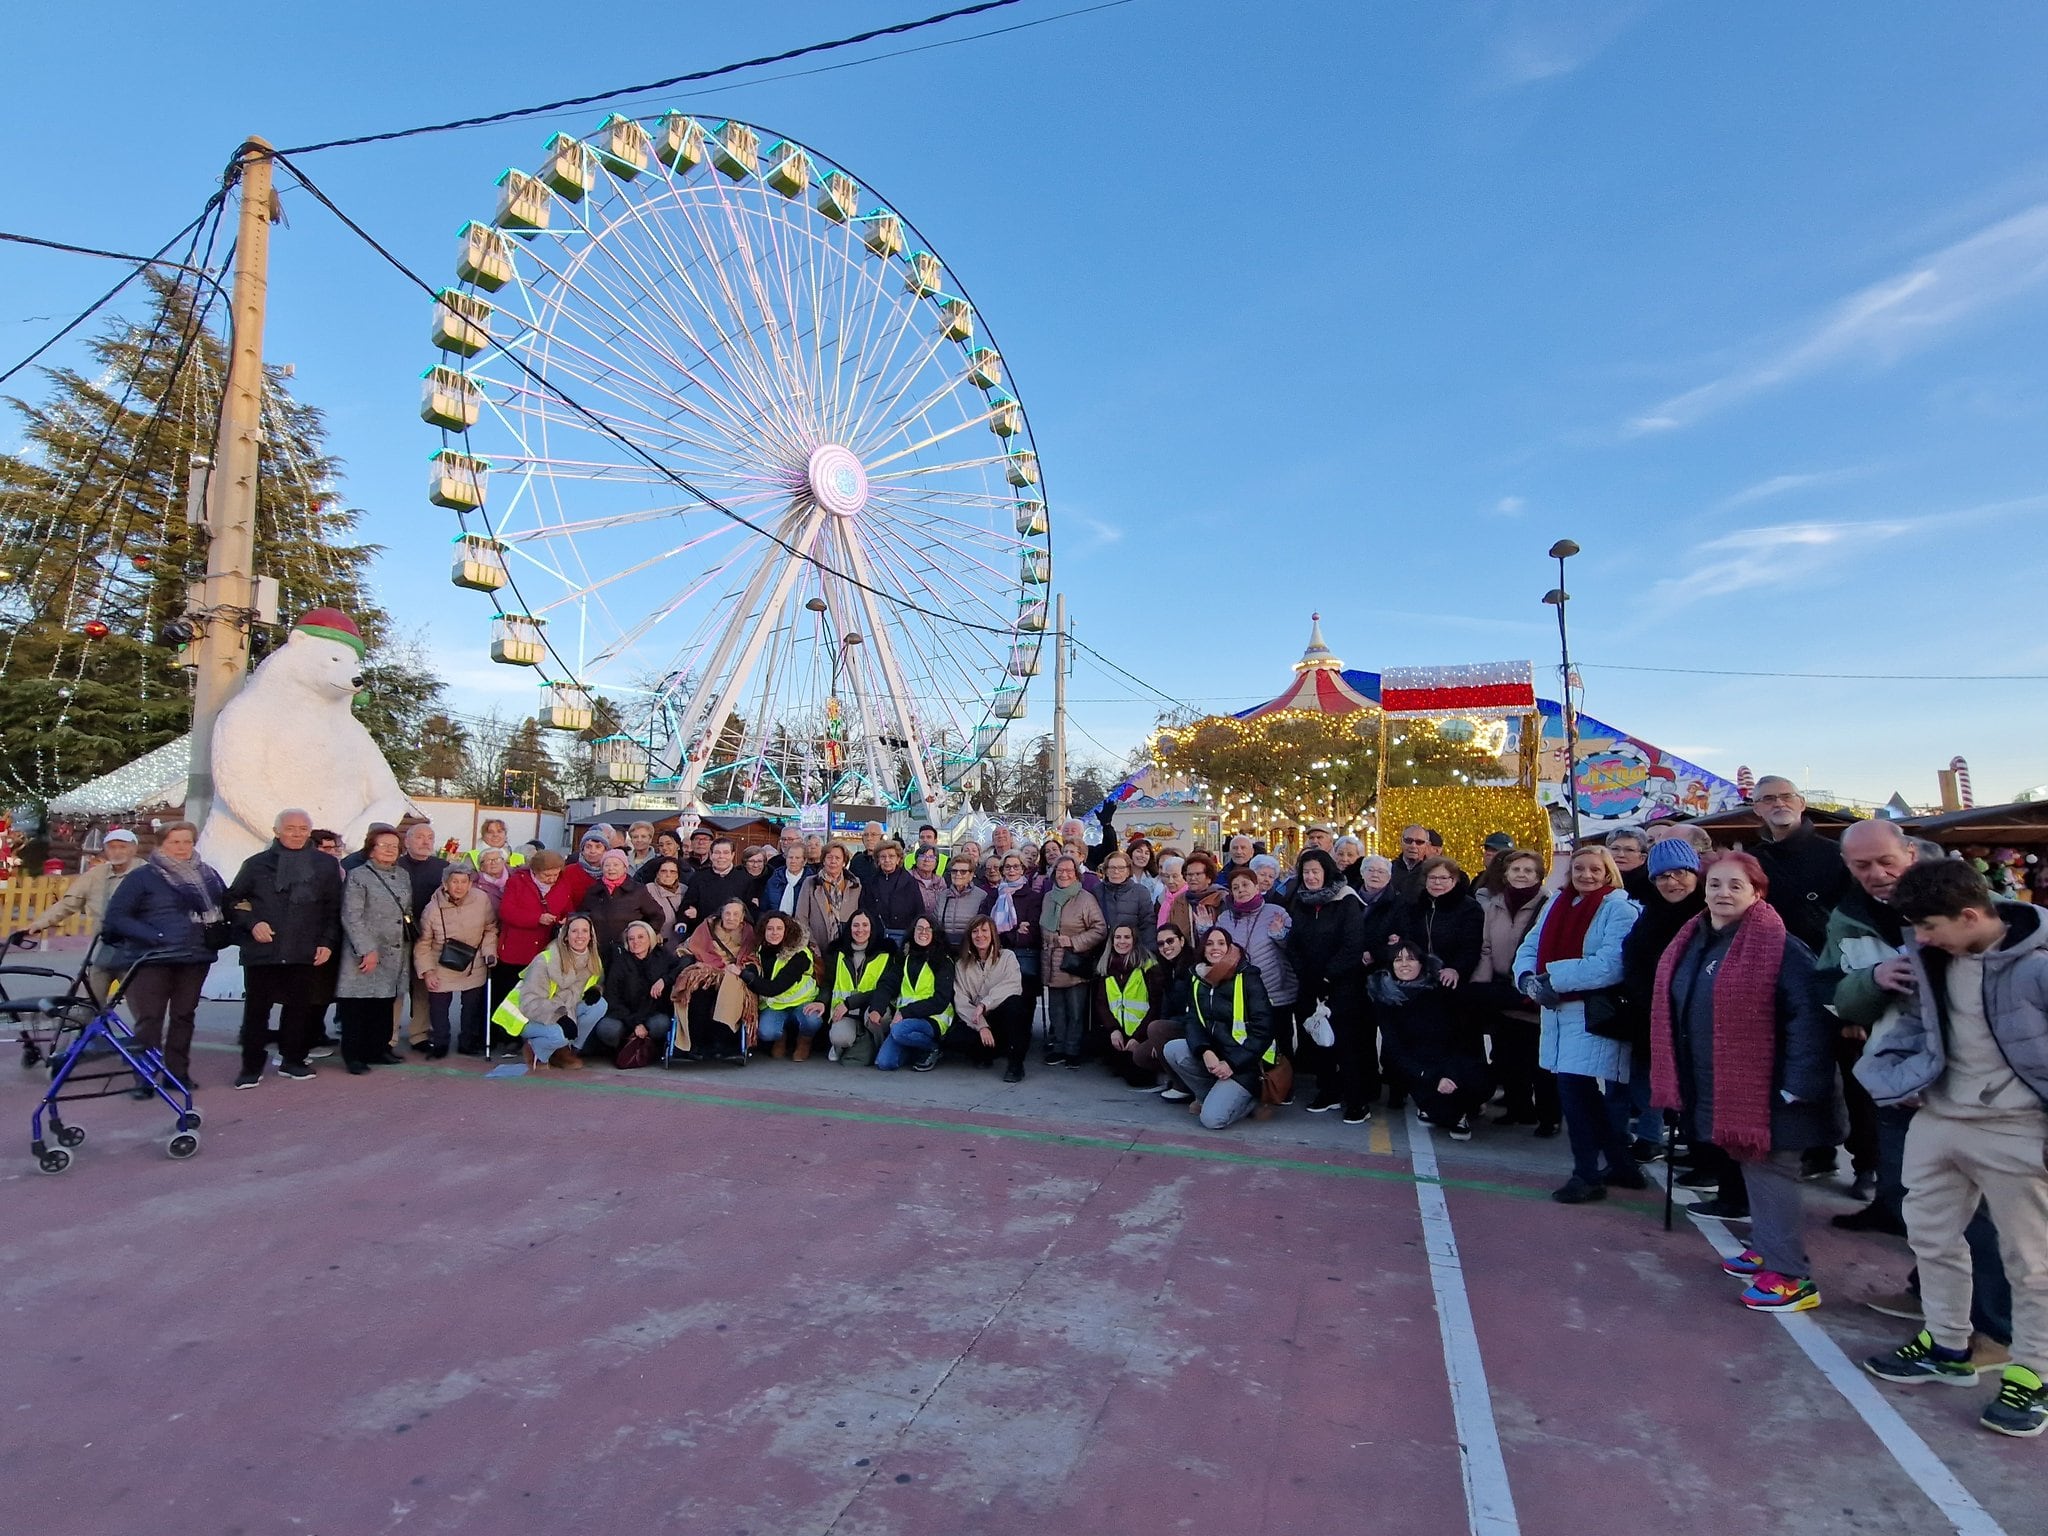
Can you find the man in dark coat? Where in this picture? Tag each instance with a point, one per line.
(715, 884)
(424, 868)
(1808, 880)
(1808, 877)
(285, 904)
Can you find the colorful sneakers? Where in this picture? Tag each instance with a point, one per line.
(2021, 1407)
(1921, 1359)
(1744, 1264)
(1770, 1292)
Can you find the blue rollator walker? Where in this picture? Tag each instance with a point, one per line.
(107, 1049)
(44, 1025)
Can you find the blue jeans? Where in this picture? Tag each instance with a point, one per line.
(1647, 1124)
(442, 1010)
(1596, 1116)
(907, 1039)
(806, 1018)
(1224, 1101)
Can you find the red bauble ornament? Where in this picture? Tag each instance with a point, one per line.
(143, 562)
(96, 629)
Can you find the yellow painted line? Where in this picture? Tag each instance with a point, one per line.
(1381, 1141)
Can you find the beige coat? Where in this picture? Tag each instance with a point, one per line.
(88, 894)
(475, 921)
(1503, 935)
(986, 986)
(1081, 921)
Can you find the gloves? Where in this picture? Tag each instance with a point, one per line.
(592, 993)
(569, 1028)
(1543, 992)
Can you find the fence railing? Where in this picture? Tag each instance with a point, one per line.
(24, 896)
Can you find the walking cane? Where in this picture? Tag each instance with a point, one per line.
(1670, 1173)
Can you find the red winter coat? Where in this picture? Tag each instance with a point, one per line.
(521, 934)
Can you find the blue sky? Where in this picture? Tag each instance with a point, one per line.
(1337, 306)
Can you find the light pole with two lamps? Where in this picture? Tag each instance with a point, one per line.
(1557, 597)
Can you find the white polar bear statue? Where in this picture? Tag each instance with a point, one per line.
(290, 738)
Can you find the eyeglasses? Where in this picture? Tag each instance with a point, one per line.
(1774, 799)
(1414, 842)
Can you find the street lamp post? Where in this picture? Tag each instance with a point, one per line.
(1557, 597)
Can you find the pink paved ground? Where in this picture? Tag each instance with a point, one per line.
(426, 1302)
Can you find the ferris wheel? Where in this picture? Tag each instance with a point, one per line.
(731, 446)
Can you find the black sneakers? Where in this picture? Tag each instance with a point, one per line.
(248, 1079)
(297, 1071)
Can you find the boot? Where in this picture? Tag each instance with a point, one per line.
(526, 1055)
(803, 1049)
(780, 1051)
(566, 1059)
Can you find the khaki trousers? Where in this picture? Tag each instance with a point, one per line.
(1950, 1161)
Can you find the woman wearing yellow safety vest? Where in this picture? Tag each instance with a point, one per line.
(1223, 1057)
(784, 975)
(1127, 998)
(860, 969)
(560, 994)
(924, 1003)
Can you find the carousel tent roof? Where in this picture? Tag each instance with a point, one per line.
(1321, 685)
(153, 782)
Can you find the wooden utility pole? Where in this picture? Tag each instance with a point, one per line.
(1059, 713)
(226, 599)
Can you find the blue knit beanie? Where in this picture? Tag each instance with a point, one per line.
(1673, 853)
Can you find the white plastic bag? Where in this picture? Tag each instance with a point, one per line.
(1317, 1026)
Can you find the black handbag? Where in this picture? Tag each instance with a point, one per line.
(1604, 1016)
(455, 955)
(1076, 963)
(217, 935)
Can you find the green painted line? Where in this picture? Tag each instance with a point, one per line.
(997, 1132)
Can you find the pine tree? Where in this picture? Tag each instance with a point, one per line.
(93, 533)
(444, 749)
(530, 774)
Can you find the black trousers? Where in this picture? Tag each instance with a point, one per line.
(365, 1027)
(1526, 1089)
(164, 999)
(294, 991)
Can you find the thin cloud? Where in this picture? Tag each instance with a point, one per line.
(1784, 555)
(1510, 506)
(1536, 43)
(1886, 320)
(1785, 485)
(1099, 533)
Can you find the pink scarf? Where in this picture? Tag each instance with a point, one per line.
(1745, 1043)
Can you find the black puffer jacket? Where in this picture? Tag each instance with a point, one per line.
(628, 988)
(1451, 927)
(1327, 945)
(1208, 1012)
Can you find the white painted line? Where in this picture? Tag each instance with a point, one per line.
(1489, 1503)
(1914, 1455)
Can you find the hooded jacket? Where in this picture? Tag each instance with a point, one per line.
(1326, 944)
(1907, 1059)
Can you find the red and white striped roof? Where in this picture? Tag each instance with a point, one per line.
(1318, 686)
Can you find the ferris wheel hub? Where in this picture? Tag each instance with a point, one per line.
(838, 480)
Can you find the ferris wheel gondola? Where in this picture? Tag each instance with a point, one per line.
(731, 446)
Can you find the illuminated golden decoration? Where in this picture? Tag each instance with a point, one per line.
(1299, 767)
(1465, 814)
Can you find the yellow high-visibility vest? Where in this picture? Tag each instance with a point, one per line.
(805, 991)
(1127, 1004)
(1237, 1029)
(871, 973)
(917, 988)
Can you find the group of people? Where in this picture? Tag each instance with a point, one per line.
(1746, 1013)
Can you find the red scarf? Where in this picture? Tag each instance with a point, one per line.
(1745, 1043)
(1565, 927)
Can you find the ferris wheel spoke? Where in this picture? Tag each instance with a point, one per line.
(583, 296)
(741, 417)
(928, 441)
(991, 461)
(628, 260)
(579, 594)
(918, 546)
(594, 524)
(905, 421)
(904, 562)
(883, 309)
(882, 398)
(629, 638)
(657, 438)
(774, 397)
(899, 506)
(726, 433)
(786, 351)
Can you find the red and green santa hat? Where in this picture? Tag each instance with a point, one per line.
(331, 624)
